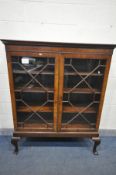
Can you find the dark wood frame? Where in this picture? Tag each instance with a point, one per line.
(59, 51)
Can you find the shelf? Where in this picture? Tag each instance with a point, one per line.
(33, 72)
(35, 126)
(78, 126)
(82, 74)
(35, 108)
(52, 73)
(34, 89)
(82, 90)
(51, 90)
(71, 109)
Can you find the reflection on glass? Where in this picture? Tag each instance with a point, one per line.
(82, 87)
(34, 90)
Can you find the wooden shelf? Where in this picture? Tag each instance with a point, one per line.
(82, 91)
(78, 126)
(51, 90)
(34, 89)
(52, 73)
(33, 72)
(70, 109)
(35, 108)
(82, 74)
(35, 126)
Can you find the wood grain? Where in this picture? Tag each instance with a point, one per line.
(58, 51)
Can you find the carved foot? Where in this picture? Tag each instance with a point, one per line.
(96, 143)
(14, 142)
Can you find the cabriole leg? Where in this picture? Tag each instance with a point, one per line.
(14, 142)
(97, 142)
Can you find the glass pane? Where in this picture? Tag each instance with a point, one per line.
(41, 118)
(34, 90)
(82, 88)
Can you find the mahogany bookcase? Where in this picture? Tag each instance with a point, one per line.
(57, 89)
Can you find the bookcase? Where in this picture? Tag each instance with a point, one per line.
(57, 89)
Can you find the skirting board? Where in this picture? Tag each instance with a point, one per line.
(103, 132)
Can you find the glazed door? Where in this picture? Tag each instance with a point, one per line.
(35, 83)
(80, 91)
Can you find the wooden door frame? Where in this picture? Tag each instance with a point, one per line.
(10, 54)
(61, 83)
(60, 90)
